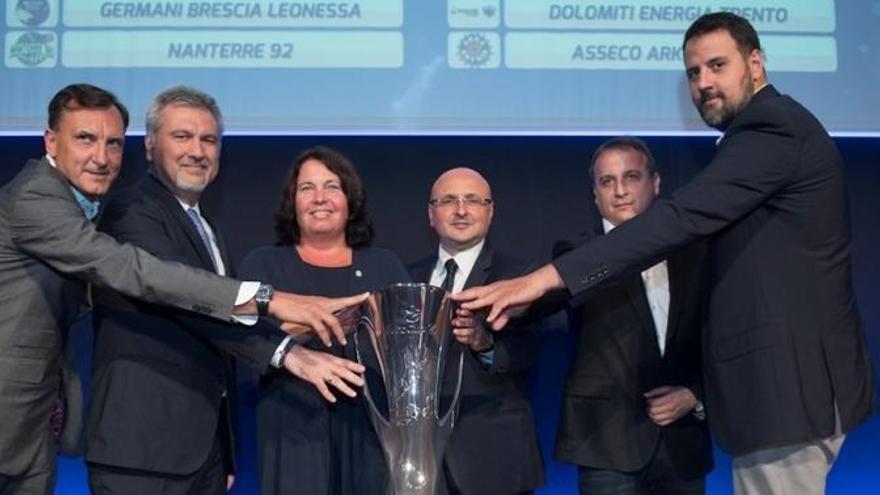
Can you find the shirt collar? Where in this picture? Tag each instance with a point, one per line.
(188, 207)
(607, 226)
(464, 259)
(89, 207)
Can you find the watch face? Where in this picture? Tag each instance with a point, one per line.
(264, 292)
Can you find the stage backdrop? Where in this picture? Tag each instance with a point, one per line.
(541, 193)
(430, 66)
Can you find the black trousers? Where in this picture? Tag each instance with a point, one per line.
(210, 479)
(657, 478)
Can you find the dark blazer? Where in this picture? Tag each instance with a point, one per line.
(160, 375)
(783, 341)
(48, 249)
(493, 449)
(307, 445)
(604, 423)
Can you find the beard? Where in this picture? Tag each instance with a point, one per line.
(189, 184)
(721, 117)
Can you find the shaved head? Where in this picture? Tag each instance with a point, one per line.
(461, 209)
(459, 174)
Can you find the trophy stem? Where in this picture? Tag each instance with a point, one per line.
(407, 329)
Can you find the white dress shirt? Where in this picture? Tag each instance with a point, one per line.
(656, 282)
(465, 261)
(212, 239)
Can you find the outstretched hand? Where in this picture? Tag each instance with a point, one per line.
(508, 299)
(319, 314)
(322, 370)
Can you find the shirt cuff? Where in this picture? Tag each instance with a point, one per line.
(281, 351)
(699, 411)
(487, 357)
(246, 292)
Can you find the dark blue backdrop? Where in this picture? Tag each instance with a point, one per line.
(541, 194)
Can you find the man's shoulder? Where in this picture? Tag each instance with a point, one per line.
(138, 198)
(421, 268)
(36, 175)
(567, 244)
(505, 264)
(775, 112)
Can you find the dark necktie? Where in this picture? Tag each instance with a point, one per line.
(449, 281)
(200, 228)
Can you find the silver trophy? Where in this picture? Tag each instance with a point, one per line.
(405, 330)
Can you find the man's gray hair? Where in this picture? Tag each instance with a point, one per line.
(185, 96)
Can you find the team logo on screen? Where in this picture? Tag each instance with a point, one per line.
(32, 12)
(32, 49)
(474, 49)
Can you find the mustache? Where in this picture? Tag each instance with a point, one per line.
(195, 163)
(708, 95)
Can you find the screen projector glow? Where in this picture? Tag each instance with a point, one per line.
(430, 66)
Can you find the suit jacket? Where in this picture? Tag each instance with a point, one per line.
(48, 248)
(783, 341)
(160, 375)
(604, 423)
(493, 449)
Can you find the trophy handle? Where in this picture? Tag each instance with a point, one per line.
(448, 419)
(375, 415)
(389, 437)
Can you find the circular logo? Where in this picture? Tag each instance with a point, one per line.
(474, 49)
(32, 12)
(33, 48)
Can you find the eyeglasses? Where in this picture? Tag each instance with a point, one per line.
(453, 201)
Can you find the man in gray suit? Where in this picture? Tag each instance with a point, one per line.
(49, 250)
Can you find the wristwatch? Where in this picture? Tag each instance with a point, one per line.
(263, 296)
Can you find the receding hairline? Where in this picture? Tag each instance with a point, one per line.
(465, 172)
(644, 160)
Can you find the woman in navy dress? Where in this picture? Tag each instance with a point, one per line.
(307, 445)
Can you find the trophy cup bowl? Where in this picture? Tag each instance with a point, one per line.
(405, 329)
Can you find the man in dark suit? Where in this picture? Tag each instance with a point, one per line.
(493, 449)
(632, 419)
(786, 367)
(163, 384)
(49, 250)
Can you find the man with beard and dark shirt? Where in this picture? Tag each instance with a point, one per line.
(786, 367)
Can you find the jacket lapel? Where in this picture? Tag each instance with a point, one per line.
(638, 299)
(173, 208)
(221, 245)
(480, 272)
(676, 292)
(422, 271)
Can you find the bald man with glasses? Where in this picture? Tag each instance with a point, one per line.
(493, 449)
